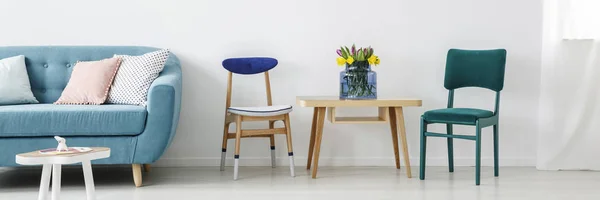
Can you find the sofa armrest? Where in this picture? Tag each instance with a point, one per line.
(163, 106)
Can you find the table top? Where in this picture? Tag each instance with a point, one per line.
(37, 158)
(335, 101)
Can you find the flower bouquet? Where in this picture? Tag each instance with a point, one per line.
(357, 81)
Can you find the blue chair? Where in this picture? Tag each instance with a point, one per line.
(467, 68)
(270, 113)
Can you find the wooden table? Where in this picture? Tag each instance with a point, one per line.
(55, 162)
(389, 110)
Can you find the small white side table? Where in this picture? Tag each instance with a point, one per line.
(55, 162)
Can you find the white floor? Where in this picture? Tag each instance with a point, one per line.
(115, 183)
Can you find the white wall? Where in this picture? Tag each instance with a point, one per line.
(410, 36)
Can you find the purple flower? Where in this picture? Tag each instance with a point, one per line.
(339, 52)
(353, 50)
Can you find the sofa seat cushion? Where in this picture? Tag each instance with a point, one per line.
(35, 120)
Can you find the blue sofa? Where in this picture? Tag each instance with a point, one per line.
(137, 135)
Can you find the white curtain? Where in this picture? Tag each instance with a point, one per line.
(569, 131)
(581, 20)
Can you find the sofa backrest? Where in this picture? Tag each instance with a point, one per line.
(49, 67)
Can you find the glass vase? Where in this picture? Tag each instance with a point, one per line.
(358, 81)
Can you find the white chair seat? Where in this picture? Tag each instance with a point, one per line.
(261, 111)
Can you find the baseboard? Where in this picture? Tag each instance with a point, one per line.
(328, 161)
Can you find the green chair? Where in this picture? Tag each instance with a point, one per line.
(467, 68)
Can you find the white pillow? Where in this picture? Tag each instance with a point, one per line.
(14, 82)
(135, 76)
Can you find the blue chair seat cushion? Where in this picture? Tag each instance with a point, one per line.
(261, 111)
(456, 115)
(249, 65)
(37, 120)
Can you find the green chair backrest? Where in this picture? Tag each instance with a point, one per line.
(475, 68)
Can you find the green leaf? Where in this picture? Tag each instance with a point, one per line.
(344, 53)
(361, 55)
(348, 52)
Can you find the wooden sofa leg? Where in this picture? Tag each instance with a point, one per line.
(147, 168)
(137, 174)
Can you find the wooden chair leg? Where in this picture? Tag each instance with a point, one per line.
(477, 154)
(272, 141)
(224, 145)
(311, 144)
(496, 164)
(238, 138)
(147, 167)
(450, 148)
(137, 174)
(423, 149)
(288, 136)
(394, 129)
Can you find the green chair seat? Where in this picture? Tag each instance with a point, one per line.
(456, 115)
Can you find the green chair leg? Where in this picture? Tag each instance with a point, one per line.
(477, 154)
(423, 149)
(496, 165)
(450, 148)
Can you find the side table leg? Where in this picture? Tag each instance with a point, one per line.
(45, 183)
(311, 144)
(394, 129)
(318, 137)
(400, 122)
(56, 171)
(89, 180)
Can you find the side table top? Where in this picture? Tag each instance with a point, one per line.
(335, 101)
(37, 158)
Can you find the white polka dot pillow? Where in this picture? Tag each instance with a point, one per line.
(135, 76)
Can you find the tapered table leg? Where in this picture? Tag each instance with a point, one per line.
(400, 122)
(394, 129)
(45, 182)
(56, 177)
(311, 144)
(90, 189)
(318, 138)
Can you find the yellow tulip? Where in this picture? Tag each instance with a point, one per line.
(350, 60)
(341, 61)
(372, 59)
(377, 61)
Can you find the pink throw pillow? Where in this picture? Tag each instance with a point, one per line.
(90, 82)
